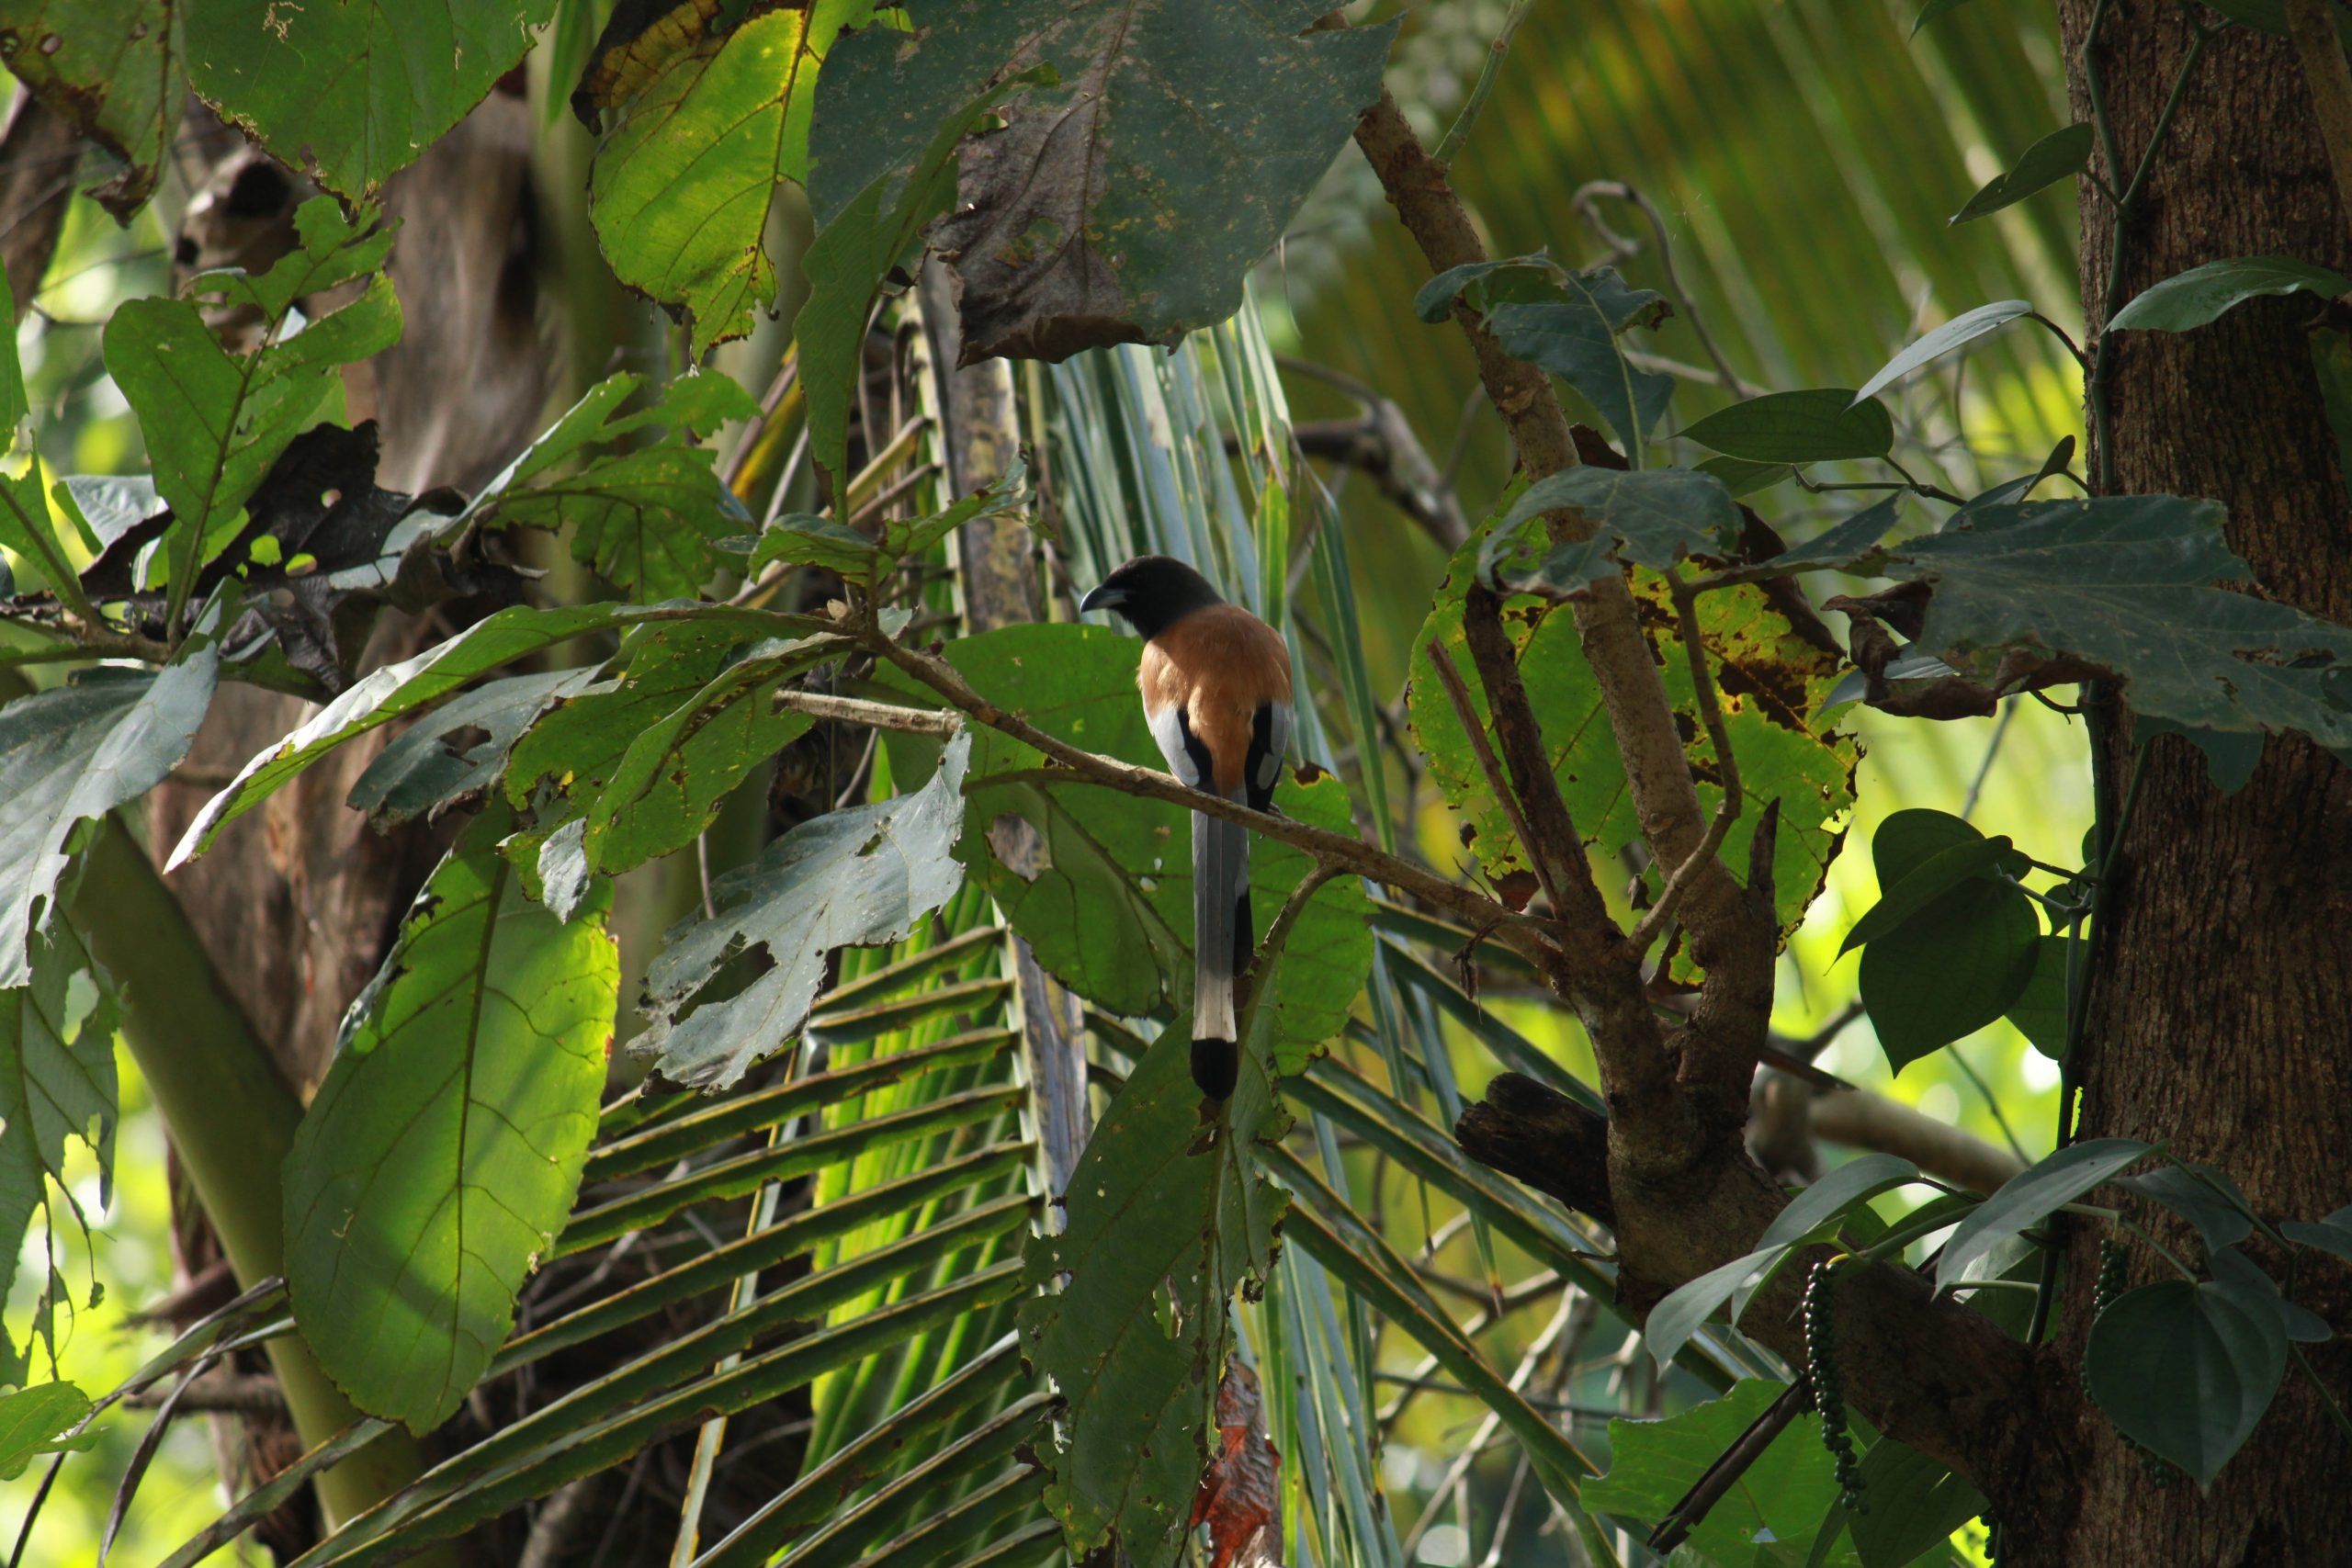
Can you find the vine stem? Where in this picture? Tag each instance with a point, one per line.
(1498, 52)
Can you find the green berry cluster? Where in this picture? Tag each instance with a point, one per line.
(1829, 1390)
(2112, 1261)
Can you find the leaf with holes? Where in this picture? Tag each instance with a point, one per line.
(850, 878)
(683, 189)
(1654, 517)
(356, 90)
(440, 1157)
(110, 67)
(422, 773)
(2187, 1370)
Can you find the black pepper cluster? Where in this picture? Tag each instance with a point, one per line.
(1829, 1390)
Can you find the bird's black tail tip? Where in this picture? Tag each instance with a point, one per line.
(1217, 1067)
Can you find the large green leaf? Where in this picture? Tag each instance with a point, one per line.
(2186, 1370)
(1109, 910)
(1654, 516)
(670, 783)
(2201, 294)
(423, 771)
(681, 189)
(214, 421)
(440, 1157)
(1165, 1205)
(1569, 323)
(37, 1420)
(2031, 1197)
(1771, 676)
(353, 90)
(112, 68)
(2127, 582)
(1781, 1497)
(2063, 152)
(648, 517)
(1815, 426)
(1218, 120)
(850, 878)
(57, 1082)
(75, 753)
(432, 677)
(1961, 329)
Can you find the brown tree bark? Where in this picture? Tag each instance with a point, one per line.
(2220, 1013)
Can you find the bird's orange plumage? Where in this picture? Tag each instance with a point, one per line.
(1221, 664)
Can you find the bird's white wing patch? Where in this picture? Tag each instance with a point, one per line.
(1270, 766)
(1168, 729)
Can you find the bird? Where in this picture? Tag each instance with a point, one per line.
(1216, 693)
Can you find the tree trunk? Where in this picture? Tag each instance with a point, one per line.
(2221, 1010)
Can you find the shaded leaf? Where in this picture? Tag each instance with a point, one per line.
(681, 189)
(36, 1420)
(803, 540)
(422, 772)
(1914, 1504)
(1163, 1206)
(2030, 1198)
(1909, 882)
(1654, 517)
(1797, 427)
(2063, 152)
(2198, 1194)
(74, 753)
(2331, 1235)
(850, 878)
(2039, 1011)
(2193, 298)
(57, 1081)
(1961, 329)
(1575, 338)
(1677, 1315)
(1218, 119)
(1781, 1498)
(2187, 1370)
(408, 1233)
(1954, 966)
(356, 90)
(112, 68)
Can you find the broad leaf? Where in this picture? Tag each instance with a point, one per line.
(648, 518)
(1575, 338)
(1654, 516)
(75, 753)
(1772, 676)
(1856, 1181)
(1781, 1497)
(2039, 1011)
(422, 773)
(441, 1155)
(1816, 426)
(2063, 152)
(57, 1081)
(2029, 1199)
(2126, 583)
(356, 90)
(1164, 1204)
(669, 784)
(1909, 882)
(216, 420)
(2204, 1197)
(1055, 253)
(1961, 329)
(682, 190)
(2203, 293)
(432, 677)
(1677, 1316)
(1911, 1506)
(2187, 1371)
(2331, 1235)
(112, 68)
(37, 1420)
(850, 878)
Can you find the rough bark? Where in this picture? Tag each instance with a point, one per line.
(2222, 1011)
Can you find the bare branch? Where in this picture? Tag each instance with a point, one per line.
(858, 710)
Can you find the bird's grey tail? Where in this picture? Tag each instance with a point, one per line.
(1221, 944)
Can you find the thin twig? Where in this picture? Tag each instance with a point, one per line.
(1450, 145)
(1710, 713)
(1584, 202)
(859, 710)
(1458, 694)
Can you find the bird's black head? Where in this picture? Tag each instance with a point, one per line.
(1152, 593)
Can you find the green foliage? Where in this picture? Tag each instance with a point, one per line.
(2204, 293)
(112, 68)
(1052, 256)
(1818, 426)
(215, 420)
(1961, 329)
(407, 1234)
(1782, 680)
(856, 876)
(1169, 1216)
(869, 558)
(1782, 1495)
(40, 1420)
(650, 517)
(1914, 1504)
(423, 774)
(1569, 323)
(72, 754)
(57, 1081)
(2186, 1368)
(2028, 1200)
(1653, 517)
(354, 92)
(2064, 151)
(684, 187)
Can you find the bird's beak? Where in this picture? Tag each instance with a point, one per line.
(1105, 597)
